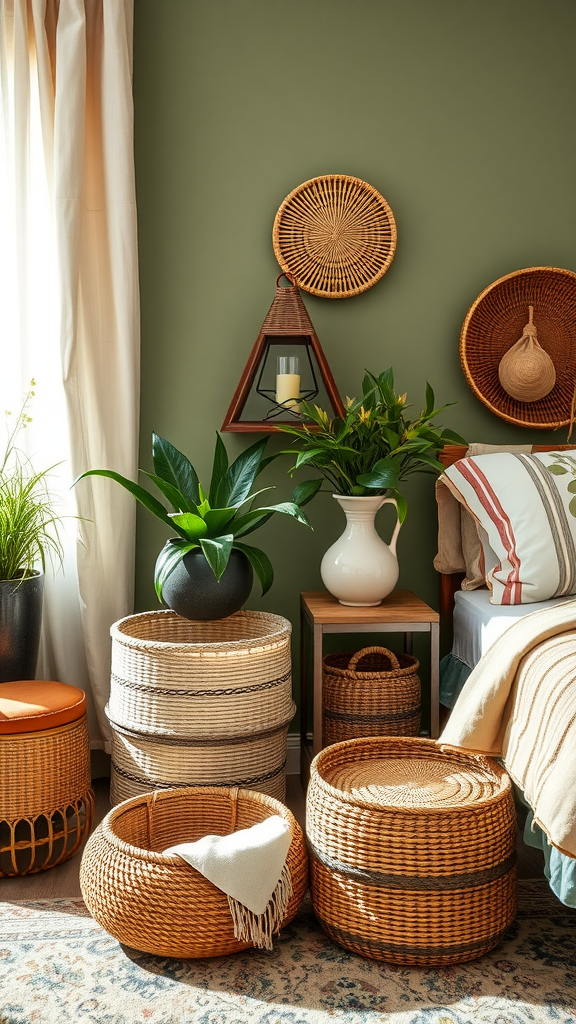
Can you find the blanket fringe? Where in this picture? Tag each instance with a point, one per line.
(259, 928)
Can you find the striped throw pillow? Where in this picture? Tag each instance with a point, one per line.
(525, 509)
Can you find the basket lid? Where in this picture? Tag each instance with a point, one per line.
(495, 322)
(415, 773)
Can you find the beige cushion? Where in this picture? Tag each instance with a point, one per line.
(526, 506)
(459, 545)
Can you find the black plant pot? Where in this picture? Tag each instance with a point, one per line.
(193, 591)
(20, 625)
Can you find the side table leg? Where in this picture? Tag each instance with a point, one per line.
(304, 755)
(317, 696)
(407, 643)
(434, 680)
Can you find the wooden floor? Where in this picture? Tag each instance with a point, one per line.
(63, 881)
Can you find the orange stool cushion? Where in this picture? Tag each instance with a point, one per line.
(30, 705)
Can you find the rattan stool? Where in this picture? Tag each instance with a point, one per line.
(46, 799)
(412, 850)
(157, 903)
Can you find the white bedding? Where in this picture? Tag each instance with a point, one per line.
(477, 623)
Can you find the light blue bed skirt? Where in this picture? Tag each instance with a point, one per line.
(559, 869)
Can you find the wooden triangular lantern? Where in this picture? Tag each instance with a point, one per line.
(287, 323)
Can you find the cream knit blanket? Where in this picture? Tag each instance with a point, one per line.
(519, 703)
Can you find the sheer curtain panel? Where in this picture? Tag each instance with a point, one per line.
(71, 282)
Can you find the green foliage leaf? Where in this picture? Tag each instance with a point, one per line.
(305, 491)
(572, 487)
(217, 518)
(194, 527)
(402, 505)
(452, 436)
(174, 496)
(572, 506)
(384, 475)
(217, 551)
(219, 469)
(288, 508)
(173, 467)
(260, 563)
(237, 483)
(557, 470)
(429, 407)
(141, 495)
(172, 553)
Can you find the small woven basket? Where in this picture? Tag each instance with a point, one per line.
(200, 703)
(412, 850)
(371, 693)
(161, 904)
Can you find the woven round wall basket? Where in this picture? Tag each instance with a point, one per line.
(498, 319)
(335, 235)
(371, 693)
(157, 903)
(412, 850)
(200, 703)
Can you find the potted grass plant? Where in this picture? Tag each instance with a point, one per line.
(29, 537)
(365, 458)
(206, 570)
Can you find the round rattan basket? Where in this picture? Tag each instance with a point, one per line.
(200, 703)
(496, 321)
(46, 797)
(335, 235)
(412, 850)
(370, 693)
(160, 904)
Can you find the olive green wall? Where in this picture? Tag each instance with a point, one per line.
(461, 112)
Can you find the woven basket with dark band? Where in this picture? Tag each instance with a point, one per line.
(371, 693)
(412, 850)
(200, 703)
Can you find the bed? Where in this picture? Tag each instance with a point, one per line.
(479, 627)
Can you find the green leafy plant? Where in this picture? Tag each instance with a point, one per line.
(375, 447)
(216, 521)
(28, 521)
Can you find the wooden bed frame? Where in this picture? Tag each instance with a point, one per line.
(451, 582)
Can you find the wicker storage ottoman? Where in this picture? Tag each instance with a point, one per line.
(200, 703)
(371, 693)
(46, 798)
(412, 850)
(160, 904)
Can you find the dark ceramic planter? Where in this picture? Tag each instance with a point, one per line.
(193, 591)
(20, 625)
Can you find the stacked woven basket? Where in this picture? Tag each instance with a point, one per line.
(200, 703)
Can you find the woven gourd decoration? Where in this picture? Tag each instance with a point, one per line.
(526, 371)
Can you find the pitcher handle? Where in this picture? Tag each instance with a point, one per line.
(392, 544)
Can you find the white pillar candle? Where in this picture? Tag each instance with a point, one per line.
(288, 382)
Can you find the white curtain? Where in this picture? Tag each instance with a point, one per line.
(69, 310)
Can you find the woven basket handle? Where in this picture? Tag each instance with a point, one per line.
(372, 650)
(288, 278)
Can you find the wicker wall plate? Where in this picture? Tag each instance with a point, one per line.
(495, 322)
(412, 850)
(160, 904)
(335, 235)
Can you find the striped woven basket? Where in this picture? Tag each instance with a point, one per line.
(371, 693)
(412, 850)
(200, 703)
(157, 903)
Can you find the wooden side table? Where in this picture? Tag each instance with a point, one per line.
(321, 613)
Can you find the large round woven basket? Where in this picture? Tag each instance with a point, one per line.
(495, 322)
(335, 235)
(200, 703)
(160, 904)
(372, 692)
(412, 850)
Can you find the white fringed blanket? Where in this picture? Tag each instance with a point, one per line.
(519, 703)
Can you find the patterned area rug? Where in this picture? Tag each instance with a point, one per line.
(58, 966)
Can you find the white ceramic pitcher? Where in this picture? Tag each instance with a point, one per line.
(360, 569)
